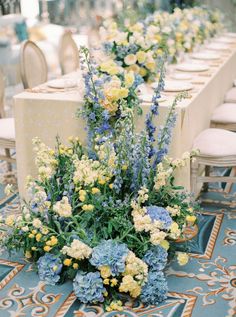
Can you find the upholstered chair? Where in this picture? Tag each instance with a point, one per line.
(217, 148)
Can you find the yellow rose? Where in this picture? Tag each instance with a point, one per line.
(114, 282)
(105, 271)
(141, 56)
(134, 68)
(82, 192)
(124, 92)
(182, 258)
(165, 244)
(142, 72)
(191, 219)
(174, 227)
(130, 59)
(129, 79)
(151, 66)
(54, 241)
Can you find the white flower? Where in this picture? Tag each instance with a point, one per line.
(8, 189)
(25, 228)
(63, 208)
(78, 250)
(37, 223)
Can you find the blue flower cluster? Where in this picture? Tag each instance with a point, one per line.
(156, 258)
(49, 268)
(88, 287)
(155, 290)
(160, 214)
(111, 253)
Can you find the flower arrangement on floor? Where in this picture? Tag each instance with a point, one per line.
(106, 215)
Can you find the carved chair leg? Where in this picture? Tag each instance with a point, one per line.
(229, 185)
(207, 173)
(194, 176)
(8, 154)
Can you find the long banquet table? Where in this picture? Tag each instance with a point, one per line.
(46, 114)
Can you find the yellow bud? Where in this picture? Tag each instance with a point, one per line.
(47, 248)
(67, 262)
(34, 231)
(106, 281)
(111, 186)
(82, 198)
(95, 190)
(28, 254)
(124, 167)
(31, 235)
(34, 249)
(75, 266)
(38, 237)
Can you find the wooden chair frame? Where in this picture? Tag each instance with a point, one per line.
(23, 61)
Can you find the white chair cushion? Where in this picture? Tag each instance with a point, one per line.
(7, 129)
(216, 143)
(226, 113)
(231, 95)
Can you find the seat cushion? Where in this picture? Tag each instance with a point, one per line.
(226, 113)
(231, 95)
(216, 143)
(7, 129)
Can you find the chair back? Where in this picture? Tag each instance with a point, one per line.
(2, 91)
(33, 65)
(68, 54)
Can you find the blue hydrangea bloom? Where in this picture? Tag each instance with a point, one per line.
(110, 253)
(160, 214)
(155, 290)
(49, 268)
(156, 258)
(88, 287)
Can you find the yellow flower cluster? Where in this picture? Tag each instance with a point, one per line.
(87, 172)
(77, 250)
(45, 159)
(110, 67)
(115, 305)
(63, 208)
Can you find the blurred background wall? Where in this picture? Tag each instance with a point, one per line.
(227, 7)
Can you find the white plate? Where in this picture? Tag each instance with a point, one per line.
(147, 98)
(225, 40)
(206, 56)
(177, 86)
(181, 76)
(217, 47)
(230, 34)
(187, 67)
(62, 83)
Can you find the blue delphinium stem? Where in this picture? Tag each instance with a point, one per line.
(165, 132)
(154, 110)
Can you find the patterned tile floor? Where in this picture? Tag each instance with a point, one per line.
(206, 287)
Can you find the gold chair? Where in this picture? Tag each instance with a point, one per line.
(33, 65)
(68, 54)
(7, 130)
